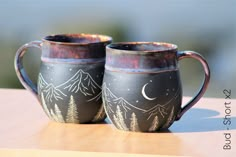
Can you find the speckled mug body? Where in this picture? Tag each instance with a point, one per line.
(141, 89)
(70, 78)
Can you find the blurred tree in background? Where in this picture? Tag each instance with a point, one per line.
(207, 27)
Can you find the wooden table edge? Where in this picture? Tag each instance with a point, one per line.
(59, 153)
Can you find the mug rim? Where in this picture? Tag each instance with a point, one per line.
(100, 37)
(170, 47)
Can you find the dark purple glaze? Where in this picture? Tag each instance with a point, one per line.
(142, 88)
(76, 46)
(70, 76)
(142, 56)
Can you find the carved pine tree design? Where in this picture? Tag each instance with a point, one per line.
(105, 108)
(117, 123)
(134, 123)
(119, 119)
(45, 106)
(100, 114)
(58, 114)
(170, 119)
(154, 125)
(53, 115)
(72, 114)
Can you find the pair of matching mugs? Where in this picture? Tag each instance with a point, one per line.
(139, 90)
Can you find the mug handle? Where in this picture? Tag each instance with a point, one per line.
(202, 90)
(20, 71)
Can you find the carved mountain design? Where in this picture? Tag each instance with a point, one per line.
(81, 82)
(162, 109)
(157, 109)
(41, 82)
(108, 98)
(122, 102)
(118, 108)
(111, 99)
(52, 92)
(170, 119)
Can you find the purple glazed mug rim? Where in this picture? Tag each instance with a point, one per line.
(167, 47)
(114, 47)
(90, 39)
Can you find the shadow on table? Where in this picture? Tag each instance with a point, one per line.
(201, 120)
(197, 120)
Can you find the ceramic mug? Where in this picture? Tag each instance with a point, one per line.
(70, 77)
(142, 88)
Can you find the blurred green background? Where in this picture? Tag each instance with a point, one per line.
(205, 26)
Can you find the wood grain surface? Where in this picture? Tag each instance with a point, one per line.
(26, 131)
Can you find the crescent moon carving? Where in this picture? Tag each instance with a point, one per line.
(144, 94)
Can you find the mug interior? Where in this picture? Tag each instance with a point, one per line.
(143, 46)
(77, 38)
(74, 46)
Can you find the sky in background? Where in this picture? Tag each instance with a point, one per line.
(206, 26)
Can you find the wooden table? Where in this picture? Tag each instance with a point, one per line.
(26, 131)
